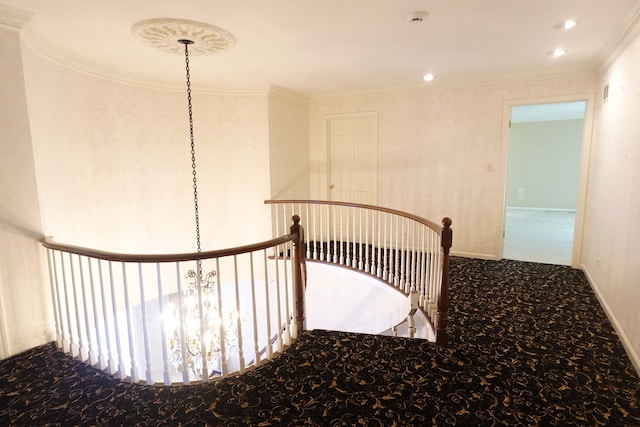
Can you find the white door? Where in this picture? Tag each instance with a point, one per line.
(353, 158)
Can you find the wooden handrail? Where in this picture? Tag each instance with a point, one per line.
(431, 224)
(48, 242)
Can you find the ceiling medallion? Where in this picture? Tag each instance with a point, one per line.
(163, 34)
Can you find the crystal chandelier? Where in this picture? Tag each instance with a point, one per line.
(202, 339)
(196, 325)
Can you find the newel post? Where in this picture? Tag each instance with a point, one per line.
(442, 317)
(299, 272)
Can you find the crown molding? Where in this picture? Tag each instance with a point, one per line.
(621, 39)
(280, 92)
(12, 17)
(454, 85)
(42, 47)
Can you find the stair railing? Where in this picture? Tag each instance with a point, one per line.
(178, 317)
(406, 251)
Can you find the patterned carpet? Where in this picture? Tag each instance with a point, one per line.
(529, 346)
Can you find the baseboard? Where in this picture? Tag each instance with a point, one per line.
(4, 347)
(633, 356)
(474, 255)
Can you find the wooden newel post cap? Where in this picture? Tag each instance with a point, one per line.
(446, 222)
(295, 219)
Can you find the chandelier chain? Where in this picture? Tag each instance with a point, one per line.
(193, 149)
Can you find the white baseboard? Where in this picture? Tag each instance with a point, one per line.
(474, 255)
(4, 347)
(635, 358)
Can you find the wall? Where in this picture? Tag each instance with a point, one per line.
(114, 162)
(289, 145)
(544, 161)
(440, 151)
(611, 256)
(24, 295)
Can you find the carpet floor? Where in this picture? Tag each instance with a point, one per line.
(529, 346)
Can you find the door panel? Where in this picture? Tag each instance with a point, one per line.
(353, 158)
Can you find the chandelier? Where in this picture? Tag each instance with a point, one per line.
(203, 337)
(199, 331)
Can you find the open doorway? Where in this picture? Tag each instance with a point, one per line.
(544, 169)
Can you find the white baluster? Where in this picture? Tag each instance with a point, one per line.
(116, 326)
(55, 293)
(163, 330)
(254, 315)
(91, 355)
(224, 356)
(183, 346)
(238, 316)
(130, 332)
(278, 306)
(67, 329)
(145, 327)
(108, 334)
(101, 354)
(267, 307)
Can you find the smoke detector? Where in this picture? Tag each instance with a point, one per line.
(416, 16)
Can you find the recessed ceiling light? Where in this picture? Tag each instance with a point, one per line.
(565, 25)
(428, 77)
(558, 52)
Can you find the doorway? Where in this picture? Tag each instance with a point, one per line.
(353, 157)
(543, 181)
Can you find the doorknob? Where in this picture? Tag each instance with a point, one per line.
(332, 187)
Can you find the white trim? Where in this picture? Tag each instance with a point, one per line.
(633, 356)
(453, 85)
(13, 17)
(474, 255)
(621, 38)
(4, 346)
(581, 204)
(41, 46)
(280, 92)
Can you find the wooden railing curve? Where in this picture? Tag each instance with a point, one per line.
(106, 303)
(49, 243)
(405, 251)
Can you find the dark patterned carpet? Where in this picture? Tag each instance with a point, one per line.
(529, 346)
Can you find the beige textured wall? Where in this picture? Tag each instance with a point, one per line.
(544, 161)
(114, 163)
(611, 250)
(441, 151)
(289, 145)
(25, 308)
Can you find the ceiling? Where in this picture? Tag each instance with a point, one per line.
(315, 47)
